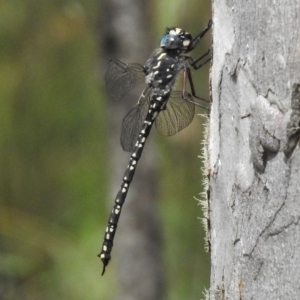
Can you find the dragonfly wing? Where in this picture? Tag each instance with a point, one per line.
(178, 114)
(121, 77)
(133, 122)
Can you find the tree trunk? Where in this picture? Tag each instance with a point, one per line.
(138, 242)
(254, 157)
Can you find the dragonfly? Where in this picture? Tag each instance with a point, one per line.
(159, 104)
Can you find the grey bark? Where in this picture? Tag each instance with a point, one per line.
(254, 152)
(137, 252)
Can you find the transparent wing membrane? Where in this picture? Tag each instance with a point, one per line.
(121, 77)
(179, 114)
(133, 121)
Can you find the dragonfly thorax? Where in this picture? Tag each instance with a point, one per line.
(163, 68)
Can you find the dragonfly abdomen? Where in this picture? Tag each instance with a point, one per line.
(156, 105)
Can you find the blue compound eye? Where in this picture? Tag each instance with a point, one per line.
(171, 42)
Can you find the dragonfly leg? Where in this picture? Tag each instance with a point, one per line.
(203, 59)
(197, 39)
(185, 95)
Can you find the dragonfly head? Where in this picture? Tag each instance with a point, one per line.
(176, 39)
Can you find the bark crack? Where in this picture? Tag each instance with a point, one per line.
(284, 227)
(293, 126)
(266, 228)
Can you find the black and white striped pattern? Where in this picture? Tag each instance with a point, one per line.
(160, 73)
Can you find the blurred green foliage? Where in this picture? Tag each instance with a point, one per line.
(53, 172)
(53, 151)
